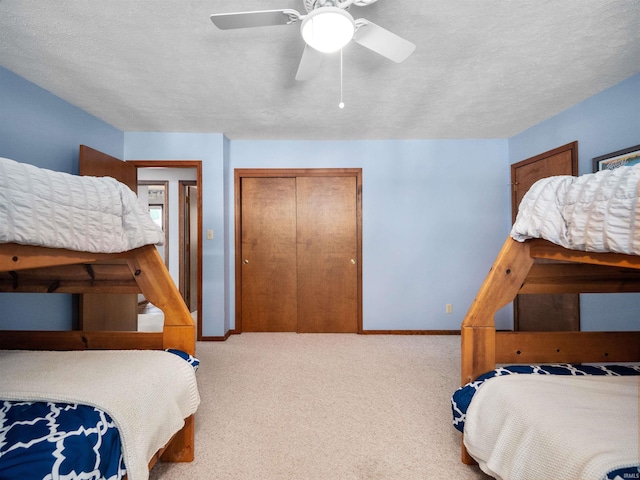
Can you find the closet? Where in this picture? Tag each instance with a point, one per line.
(298, 250)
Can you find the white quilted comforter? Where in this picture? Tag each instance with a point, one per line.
(596, 212)
(534, 427)
(147, 393)
(59, 210)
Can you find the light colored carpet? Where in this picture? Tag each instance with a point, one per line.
(326, 407)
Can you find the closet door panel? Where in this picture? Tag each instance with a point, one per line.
(269, 294)
(327, 254)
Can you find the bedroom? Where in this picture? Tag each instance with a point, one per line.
(457, 240)
(390, 188)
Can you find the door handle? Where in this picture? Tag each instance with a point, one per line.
(353, 261)
(245, 261)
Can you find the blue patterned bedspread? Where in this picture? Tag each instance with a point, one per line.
(58, 440)
(46, 440)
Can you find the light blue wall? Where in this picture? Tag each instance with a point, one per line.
(435, 214)
(604, 123)
(207, 147)
(419, 218)
(39, 128)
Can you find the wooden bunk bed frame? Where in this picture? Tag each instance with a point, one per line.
(50, 270)
(516, 272)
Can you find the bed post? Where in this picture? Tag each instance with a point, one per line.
(179, 331)
(498, 289)
(478, 333)
(181, 447)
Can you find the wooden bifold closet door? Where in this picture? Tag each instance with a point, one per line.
(299, 255)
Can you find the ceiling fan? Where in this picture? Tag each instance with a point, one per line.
(326, 28)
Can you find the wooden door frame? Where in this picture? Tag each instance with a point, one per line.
(183, 232)
(197, 164)
(240, 173)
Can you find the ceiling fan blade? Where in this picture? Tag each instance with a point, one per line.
(309, 63)
(261, 18)
(382, 41)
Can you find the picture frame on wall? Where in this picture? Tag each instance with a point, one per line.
(628, 156)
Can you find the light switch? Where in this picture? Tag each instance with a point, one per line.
(209, 234)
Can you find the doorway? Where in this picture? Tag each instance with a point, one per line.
(93, 309)
(549, 312)
(298, 250)
(156, 195)
(191, 290)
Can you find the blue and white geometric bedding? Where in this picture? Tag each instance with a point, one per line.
(590, 423)
(54, 440)
(49, 440)
(461, 398)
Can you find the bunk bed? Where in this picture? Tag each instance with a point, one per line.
(61, 233)
(520, 420)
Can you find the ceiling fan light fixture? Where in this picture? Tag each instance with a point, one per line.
(328, 29)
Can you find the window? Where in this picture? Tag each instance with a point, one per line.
(157, 215)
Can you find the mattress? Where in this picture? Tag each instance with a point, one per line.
(527, 422)
(150, 318)
(595, 212)
(59, 210)
(91, 414)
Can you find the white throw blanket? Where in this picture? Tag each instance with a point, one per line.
(533, 427)
(147, 393)
(59, 210)
(596, 212)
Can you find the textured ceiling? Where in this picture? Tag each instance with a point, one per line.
(481, 69)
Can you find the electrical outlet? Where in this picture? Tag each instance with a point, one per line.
(209, 234)
(448, 308)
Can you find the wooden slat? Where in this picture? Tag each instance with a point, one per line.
(19, 257)
(567, 347)
(82, 278)
(539, 248)
(54, 287)
(79, 340)
(580, 278)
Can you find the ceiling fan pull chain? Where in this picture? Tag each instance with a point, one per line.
(341, 104)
